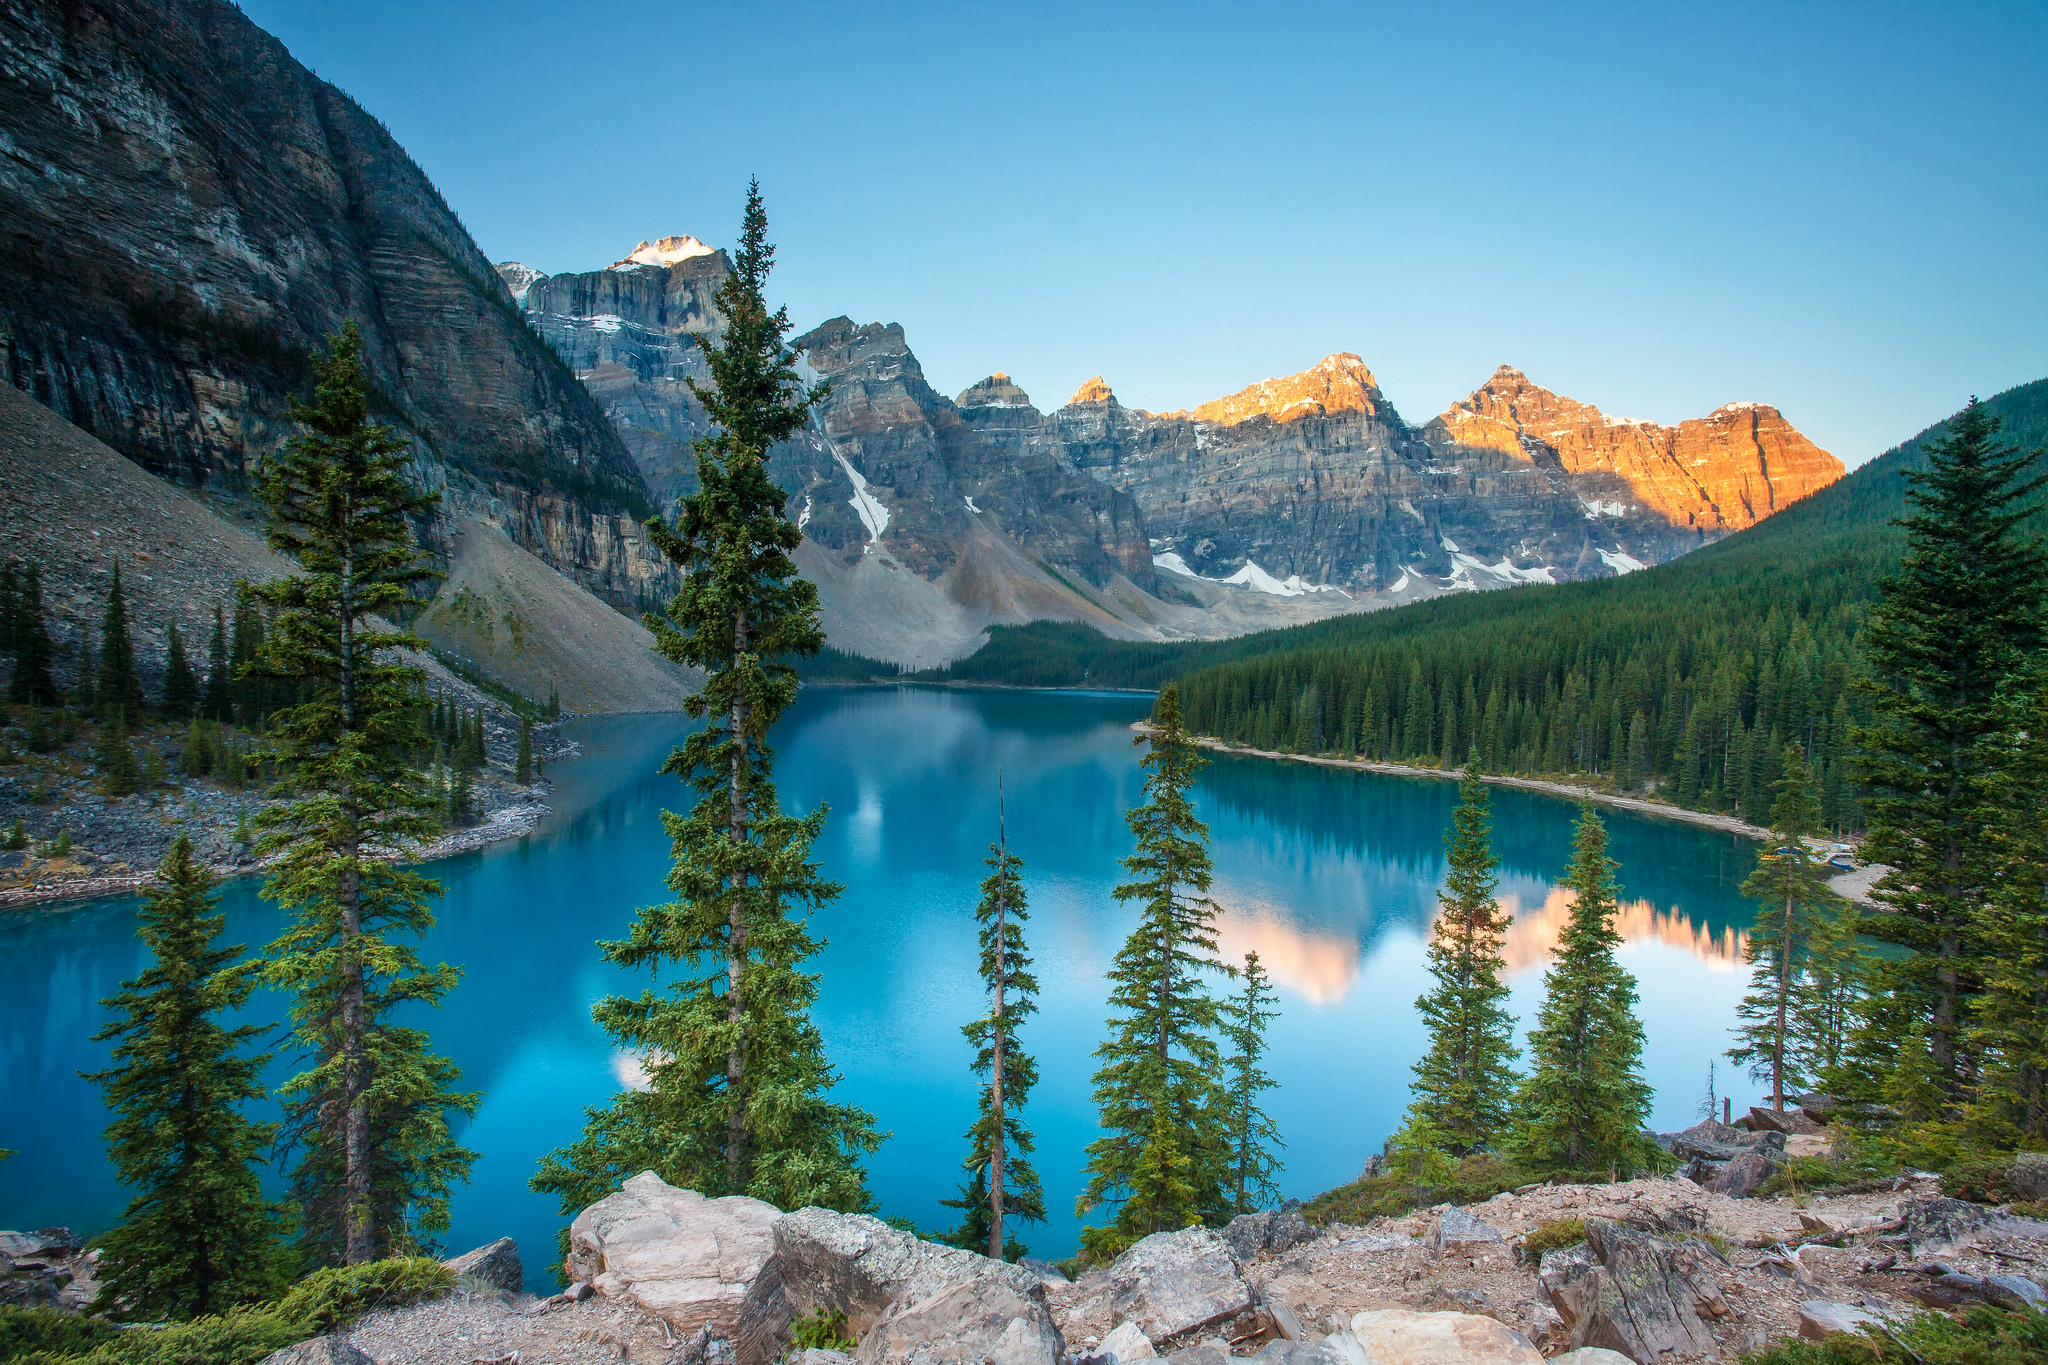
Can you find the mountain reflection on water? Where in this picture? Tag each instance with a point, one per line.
(1329, 874)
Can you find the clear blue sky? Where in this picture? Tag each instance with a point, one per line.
(1838, 209)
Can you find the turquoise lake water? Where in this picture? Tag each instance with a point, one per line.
(1329, 874)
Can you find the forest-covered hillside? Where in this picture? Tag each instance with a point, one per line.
(1687, 678)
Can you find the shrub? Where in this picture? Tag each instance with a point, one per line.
(1551, 1234)
(824, 1330)
(1470, 1181)
(29, 1331)
(328, 1298)
(1985, 1336)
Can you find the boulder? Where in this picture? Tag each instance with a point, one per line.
(1400, 1336)
(860, 1265)
(1172, 1283)
(1127, 1343)
(1934, 1224)
(51, 1244)
(1273, 1231)
(2027, 1177)
(1819, 1108)
(329, 1350)
(1950, 1288)
(1642, 1297)
(1045, 1272)
(1709, 1141)
(1591, 1355)
(1743, 1176)
(1310, 1353)
(1459, 1233)
(1763, 1119)
(1208, 1351)
(690, 1261)
(978, 1321)
(1285, 1320)
(496, 1265)
(1561, 1265)
(1819, 1318)
(817, 1355)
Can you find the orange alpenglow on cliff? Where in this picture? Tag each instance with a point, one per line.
(1722, 472)
(1336, 383)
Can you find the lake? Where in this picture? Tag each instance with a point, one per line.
(1330, 874)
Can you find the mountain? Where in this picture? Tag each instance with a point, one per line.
(185, 211)
(1722, 472)
(1314, 479)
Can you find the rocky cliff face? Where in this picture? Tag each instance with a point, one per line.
(1718, 473)
(187, 211)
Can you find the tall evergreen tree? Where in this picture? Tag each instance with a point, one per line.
(1002, 1183)
(2010, 1027)
(738, 1076)
(10, 600)
(248, 680)
(219, 701)
(522, 767)
(1465, 1083)
(370, 1114)
(1163, 1155)
(85, 687)
(1959, 622)
(31, 684)
(1827, 998)
(1790, 886)
(181, 684)
(1252, 1134)
(1584, 1103)
(198, 1237)
(120, 686)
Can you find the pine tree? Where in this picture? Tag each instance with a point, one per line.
(461, 809)
(2010, 1028)
(1465, 1084)
(522, 768)
(738, 1076)
(198, 759)
(219, 701)
(1827, 998)
(31, 684)
(10, 601)
(1002, 1183)
(370, 1114)
(120, 686)
(1251, 1133)
(85, 687)
(247, 680)
(198, 1237)
(120, 775)
(1958, 622)
(1161, 1069)
(1584, 1103)
(181, 685)
(1791, 890)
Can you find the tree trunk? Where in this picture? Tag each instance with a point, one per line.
(1002, 1030)
(358, 1234)
(736, 940)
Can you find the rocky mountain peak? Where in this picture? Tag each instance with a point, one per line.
(1719, 473)
(996, 391)
(1336, 383)
(663, 251)
(519, 278)
(1092, 390)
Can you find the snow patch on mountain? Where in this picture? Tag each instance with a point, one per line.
(1250, 576)
(873, 514)
(1597, 508)
(663, 251)
(1620, 561)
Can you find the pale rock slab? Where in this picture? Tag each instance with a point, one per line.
(980, 1321)
(1819, 1318)
(1591, 1355)
(1400, 1336)
(1127, 1343)
(328, 1350)
(1172, 1283)
(860, 1265)
(1459, 1233)
(688, 1260)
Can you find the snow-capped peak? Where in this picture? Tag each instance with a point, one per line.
(663, 251)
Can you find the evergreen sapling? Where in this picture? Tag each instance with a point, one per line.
(1252, 1133)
